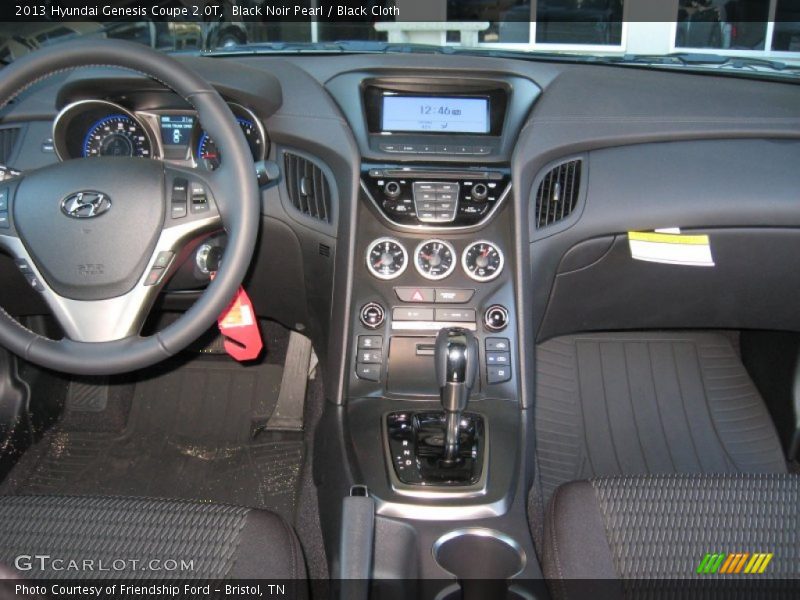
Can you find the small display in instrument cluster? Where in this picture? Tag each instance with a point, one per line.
(176, 130)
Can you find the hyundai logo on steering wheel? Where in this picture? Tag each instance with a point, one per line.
(85, 205)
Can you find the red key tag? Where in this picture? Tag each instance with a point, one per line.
(239, 327)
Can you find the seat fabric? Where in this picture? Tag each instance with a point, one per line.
(208, 541)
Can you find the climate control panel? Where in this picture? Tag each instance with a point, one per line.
(435, 197)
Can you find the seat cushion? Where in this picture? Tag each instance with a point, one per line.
(663, 526)
(190, 540)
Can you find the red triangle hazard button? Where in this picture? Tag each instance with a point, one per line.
(417, 296)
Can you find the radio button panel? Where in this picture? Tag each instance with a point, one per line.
(435, 197)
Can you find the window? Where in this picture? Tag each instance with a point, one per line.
(728, 24)
(581, 22)
(786, 36)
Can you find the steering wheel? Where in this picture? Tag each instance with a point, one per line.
(98, 237)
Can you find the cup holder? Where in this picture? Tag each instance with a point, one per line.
(483, 560)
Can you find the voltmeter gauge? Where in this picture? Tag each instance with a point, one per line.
(386, 258)
(435, 259)
(482, 261)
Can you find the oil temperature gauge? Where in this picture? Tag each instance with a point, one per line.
(482, 261)
(386, 258)
(435, 259)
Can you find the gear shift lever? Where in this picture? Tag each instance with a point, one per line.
(456, 357)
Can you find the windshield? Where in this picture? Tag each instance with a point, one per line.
(757, 36)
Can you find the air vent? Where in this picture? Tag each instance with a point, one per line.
(558, 193)
(324, 250)
(8, 139)
(308, 187)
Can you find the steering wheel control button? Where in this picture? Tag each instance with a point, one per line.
(23, 266)
(414, 294)
(403, 313)
(372, 315)
(496, 317)
(496, 344)
(163, 259)
(179, 198)
(452, 296)
(154, 276)
(368, 372)
(3, 199)
(5, 223)
(199, 198)
(370, 357)
(456, 315)
(370, 342)
(498, 374)
(34, 282)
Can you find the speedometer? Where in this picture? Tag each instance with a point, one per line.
(208, 154)
(117, 135)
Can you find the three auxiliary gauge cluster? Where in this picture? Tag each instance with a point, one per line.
(434, 259)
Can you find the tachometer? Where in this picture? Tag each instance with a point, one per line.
(482, 261)
(208, 154)
(386, 258)
(117, 135)
(435, 259)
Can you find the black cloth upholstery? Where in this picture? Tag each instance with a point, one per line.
(218, 541)
(660, 527)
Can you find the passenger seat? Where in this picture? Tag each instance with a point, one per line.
(637, 528)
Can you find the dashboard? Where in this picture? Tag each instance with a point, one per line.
(490, 192)
(98, 127)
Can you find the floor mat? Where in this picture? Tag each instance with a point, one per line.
(638, 403)
(186, 431)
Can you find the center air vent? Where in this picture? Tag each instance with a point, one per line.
(308, 188)
(558, 193)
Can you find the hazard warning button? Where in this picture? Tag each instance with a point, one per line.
(415, 294)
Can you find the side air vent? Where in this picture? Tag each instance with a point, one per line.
(308, 188)
(558, 193)
(8, 139)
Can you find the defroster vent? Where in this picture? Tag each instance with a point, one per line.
(558, 193)
(308, 187)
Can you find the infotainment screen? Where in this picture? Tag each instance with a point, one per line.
(435, 114)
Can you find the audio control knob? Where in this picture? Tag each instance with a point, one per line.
(496, 317)
(480, 192)
(392, 189)
(372, 315)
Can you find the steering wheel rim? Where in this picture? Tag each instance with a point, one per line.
(233, 187)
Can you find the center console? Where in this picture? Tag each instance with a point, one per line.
(431, 405)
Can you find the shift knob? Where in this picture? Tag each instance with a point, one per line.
(456, 357)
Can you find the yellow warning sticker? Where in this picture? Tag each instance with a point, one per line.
(671, 248)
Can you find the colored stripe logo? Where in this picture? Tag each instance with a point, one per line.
(734, 563)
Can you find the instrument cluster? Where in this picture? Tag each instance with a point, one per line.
(91, 128)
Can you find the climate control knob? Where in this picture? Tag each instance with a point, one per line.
(372, 315)
(480, 192)
(392, 189)
(496, 317)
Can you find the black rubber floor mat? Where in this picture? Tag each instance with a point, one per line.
(638, 403)
(188, 436)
